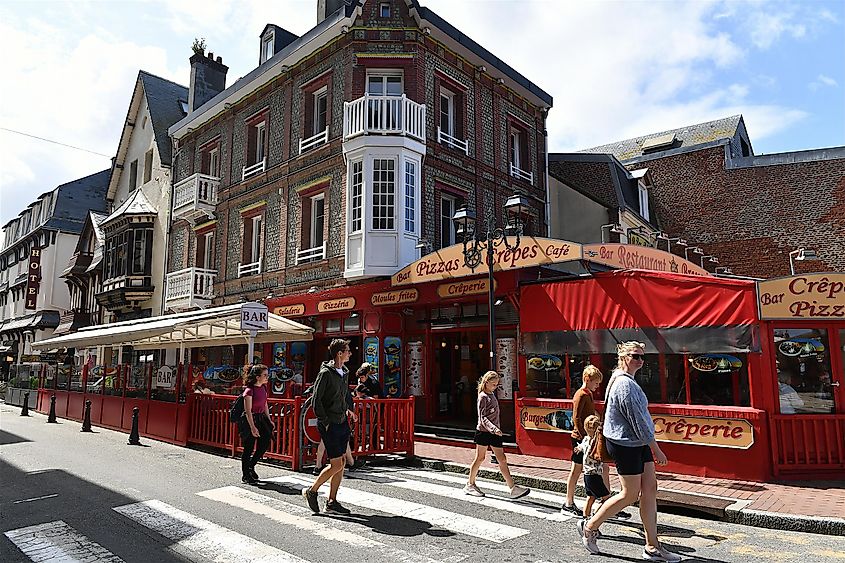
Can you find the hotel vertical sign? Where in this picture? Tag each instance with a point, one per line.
(33, 278)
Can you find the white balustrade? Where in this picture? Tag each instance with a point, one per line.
(454, 142)
(320, 138)
(311, 254)
(254, 169)
(249, 269)
(196, 195)
(522, 174)
(384, 115)
(189, 285)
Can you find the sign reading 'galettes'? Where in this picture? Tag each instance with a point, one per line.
(806, 296)
(448, 263)
(628, 256)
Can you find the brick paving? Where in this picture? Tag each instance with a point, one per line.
(819, 499)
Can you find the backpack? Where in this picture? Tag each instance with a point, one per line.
(237, 409)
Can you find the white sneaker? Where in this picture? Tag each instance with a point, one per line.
(661, 554)
(473, 490)
(518, 491)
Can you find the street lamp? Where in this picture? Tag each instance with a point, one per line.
(613, 228)
(710, 260)
(801, 254)
(475, 243)
(694, 250)
(724, 270)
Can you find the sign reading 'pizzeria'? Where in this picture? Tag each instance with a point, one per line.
(296, 310)
(806, 296)
(697, 430)
(448, 263)
(628, 256)
(343, 304)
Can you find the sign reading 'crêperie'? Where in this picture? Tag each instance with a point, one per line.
(806, 296)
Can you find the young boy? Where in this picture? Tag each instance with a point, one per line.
(593, 481)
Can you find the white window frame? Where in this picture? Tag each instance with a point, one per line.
(643, 192)
(410, 181)
(384, 74)
(322, 93)
(208, 252)
(516, 148)
(381, 9)
(214, 162)
(453, 202)
(268, 44)
(356, 182)
(449, 97)
(260, 139)
(384, 195)
(255, 243)
(312, 237)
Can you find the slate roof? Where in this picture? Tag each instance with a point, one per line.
(135, 204)
(164, 99)
(75, 199)
(685, 137)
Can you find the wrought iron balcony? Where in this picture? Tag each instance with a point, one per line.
(189, 288)
(195, 197)
(383, 115)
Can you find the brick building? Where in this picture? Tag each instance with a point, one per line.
(748, 210)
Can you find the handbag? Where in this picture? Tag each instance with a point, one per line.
(599, 450)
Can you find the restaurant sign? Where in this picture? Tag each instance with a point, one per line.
(464, 288)
(397, 297)
(296, 310)
(806, 296)
(627, 256)
(448, 263)
(331, 305)
(697, 430)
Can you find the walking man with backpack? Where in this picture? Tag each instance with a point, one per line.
(334, 407)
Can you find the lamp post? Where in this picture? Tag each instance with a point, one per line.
(694, 250)
(799, 255)
(612, 228)
(475, 244)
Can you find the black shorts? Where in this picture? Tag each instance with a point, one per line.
(629, 460)
(594, 484)
(488, 439)
(577, 457)
(335, 438)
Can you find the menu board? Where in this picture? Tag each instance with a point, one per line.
(392, 367)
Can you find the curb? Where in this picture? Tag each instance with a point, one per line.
(734, 514)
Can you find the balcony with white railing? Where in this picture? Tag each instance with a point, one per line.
(195, 197)
(311, 254)
(445, 138)
(522, 174)
(254, 169)
(384, 115)
(250, 269)
(320, 138)
(189, 288)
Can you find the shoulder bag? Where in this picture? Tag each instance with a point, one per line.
(599, 450)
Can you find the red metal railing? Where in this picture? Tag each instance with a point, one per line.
(809, 441)
(384, 426)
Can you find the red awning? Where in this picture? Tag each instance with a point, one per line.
(633, 298)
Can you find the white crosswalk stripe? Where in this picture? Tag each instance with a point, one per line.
(520, 507)
(299, 517)
(193, 536)
(486, 486)
(461, 524)
(57, 541)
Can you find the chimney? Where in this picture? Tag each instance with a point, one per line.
(208, 78)
(325, 8)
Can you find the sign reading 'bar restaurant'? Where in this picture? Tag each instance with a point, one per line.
(805, 296)
(629, 256)
(448, 263)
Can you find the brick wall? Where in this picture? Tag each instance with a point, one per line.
(751, 218)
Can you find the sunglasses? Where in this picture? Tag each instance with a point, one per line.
(637, 356)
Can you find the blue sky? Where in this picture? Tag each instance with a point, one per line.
(616, 69)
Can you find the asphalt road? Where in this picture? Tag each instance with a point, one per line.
(69, 496)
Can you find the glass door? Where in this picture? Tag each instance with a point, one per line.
(807, 383)
(384, 109)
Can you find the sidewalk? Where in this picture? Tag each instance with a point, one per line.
(817, 507)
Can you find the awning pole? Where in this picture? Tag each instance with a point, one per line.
(251, 348)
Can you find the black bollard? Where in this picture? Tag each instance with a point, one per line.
(51, 418)
(86, 418)
(25, 407)
(134, 439)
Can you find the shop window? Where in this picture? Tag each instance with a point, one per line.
(332, 325)
(804, 371)
(352, 323)
(384, 193)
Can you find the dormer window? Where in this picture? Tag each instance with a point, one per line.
(268, 45)
(384, 10)
(643, 190)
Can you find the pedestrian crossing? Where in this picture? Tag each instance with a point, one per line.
(439, 509)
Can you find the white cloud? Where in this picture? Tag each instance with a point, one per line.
(822, 81)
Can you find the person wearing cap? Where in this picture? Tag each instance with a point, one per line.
(366, 384)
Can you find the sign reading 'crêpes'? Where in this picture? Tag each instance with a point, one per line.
(628, 256)
(448, 263)
(806, 296)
